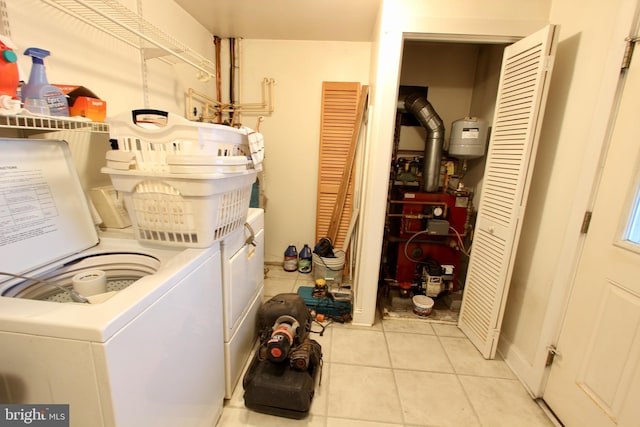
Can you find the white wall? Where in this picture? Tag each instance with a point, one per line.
(83, 55)
(292, 131)
(567, 123)
(573, 130)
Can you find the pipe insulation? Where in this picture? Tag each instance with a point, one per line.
(431, 121)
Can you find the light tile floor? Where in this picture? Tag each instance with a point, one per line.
(399, 372)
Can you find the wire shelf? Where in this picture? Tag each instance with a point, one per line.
(51, 124)
(127, 26)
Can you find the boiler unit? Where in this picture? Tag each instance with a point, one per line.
(428, 229)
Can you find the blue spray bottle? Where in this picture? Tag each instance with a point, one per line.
(38, 96)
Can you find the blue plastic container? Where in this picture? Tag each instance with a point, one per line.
(290, 259)
(304, 260)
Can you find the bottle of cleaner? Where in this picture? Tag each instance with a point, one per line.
(38, 94)
(9, 76)
(290, 259)
(304, 261)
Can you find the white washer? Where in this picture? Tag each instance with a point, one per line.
(243, 289)
(150, 354)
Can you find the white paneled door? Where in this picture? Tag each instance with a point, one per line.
(595, 378)
(522, 93)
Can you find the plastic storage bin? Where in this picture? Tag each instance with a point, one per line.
(329, 269)
(192, 210)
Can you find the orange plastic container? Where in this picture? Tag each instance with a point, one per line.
(9, 77)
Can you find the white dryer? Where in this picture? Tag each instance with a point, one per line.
(147, 353)
(243, 290)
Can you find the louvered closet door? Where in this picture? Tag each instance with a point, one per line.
(524, 81)
(338, 119)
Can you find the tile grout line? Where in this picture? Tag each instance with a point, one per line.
(326, 403)
(393, 374)
(455, 371)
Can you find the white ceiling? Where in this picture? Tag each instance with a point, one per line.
(341, 20)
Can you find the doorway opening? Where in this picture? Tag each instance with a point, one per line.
(431, 203)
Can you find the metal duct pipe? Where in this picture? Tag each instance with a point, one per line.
(429, 119)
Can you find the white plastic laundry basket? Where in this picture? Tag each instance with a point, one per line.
(190, 211)
(152, 136)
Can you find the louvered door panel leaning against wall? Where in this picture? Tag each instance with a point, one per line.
(338, 119)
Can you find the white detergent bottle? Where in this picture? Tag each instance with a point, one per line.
(38, 95)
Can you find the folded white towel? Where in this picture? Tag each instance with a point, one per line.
(256, 145)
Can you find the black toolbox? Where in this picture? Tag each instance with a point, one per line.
(324, 304)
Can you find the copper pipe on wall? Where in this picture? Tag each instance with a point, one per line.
(212, 107)
(238, 61)
(216, 42)
(232, 72)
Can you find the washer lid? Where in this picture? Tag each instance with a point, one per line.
(44, 215)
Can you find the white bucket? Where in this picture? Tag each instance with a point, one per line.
(422, 305)
(329, 269)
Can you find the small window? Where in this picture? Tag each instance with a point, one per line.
(633, 229)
